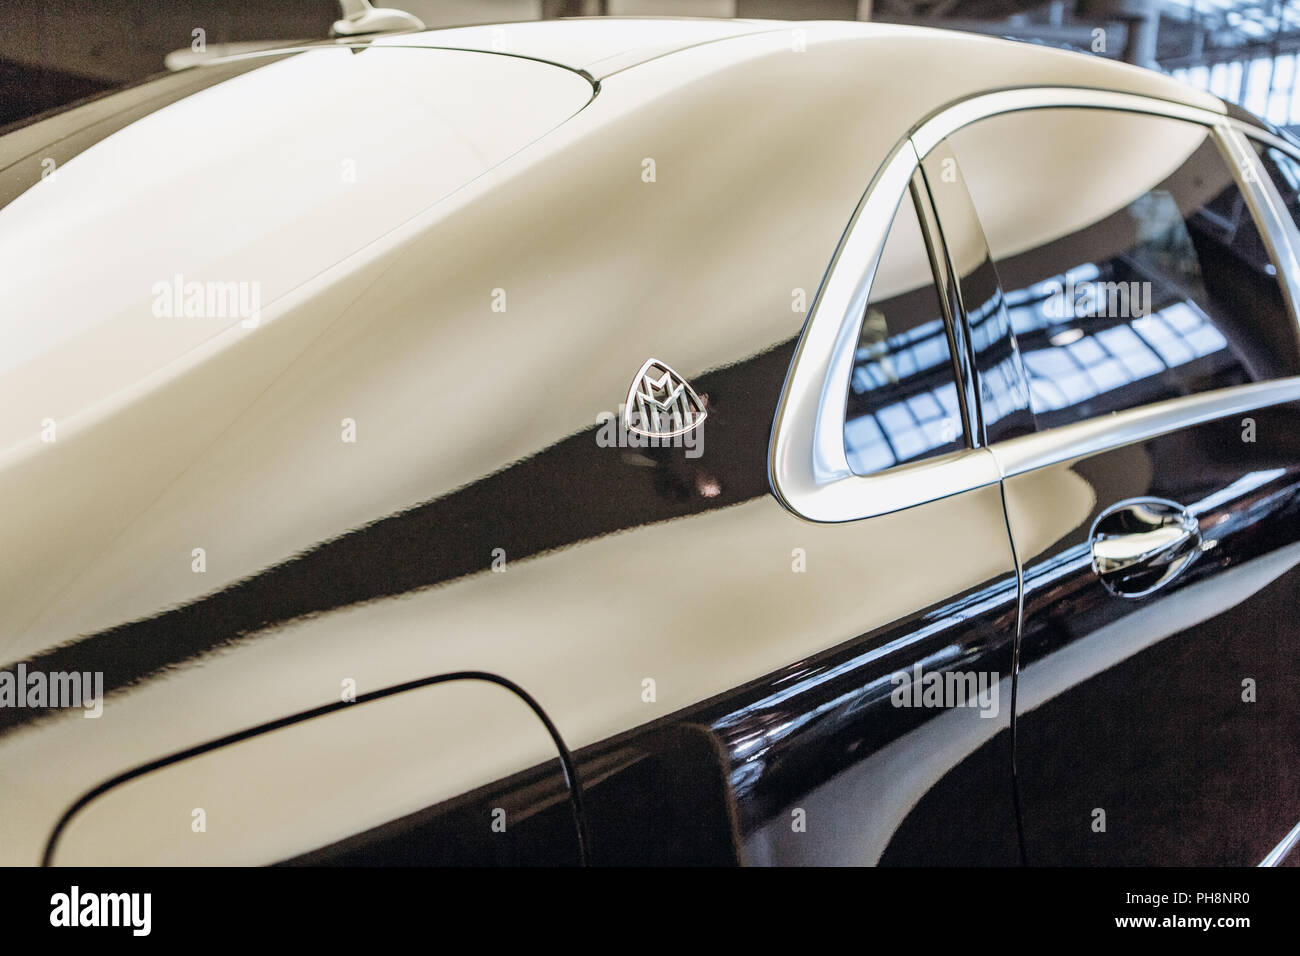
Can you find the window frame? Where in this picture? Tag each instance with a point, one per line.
(807, 463)
(918, 195)
(1241, 135)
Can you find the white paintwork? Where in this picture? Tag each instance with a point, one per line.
(600, 46)
(369, 765)
(230, 441)
(218, 187)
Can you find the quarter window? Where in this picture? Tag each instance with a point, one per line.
(902, 403)
(1131, 267)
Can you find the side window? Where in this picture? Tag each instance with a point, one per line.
(1131, 267)
(902, 404)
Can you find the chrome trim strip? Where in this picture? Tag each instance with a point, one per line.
(950, 302)
(1264, 136)
(1080, 439)
(1283, 849)
(971, 263)
(1281, 237)
(807, 465)
(935, 129)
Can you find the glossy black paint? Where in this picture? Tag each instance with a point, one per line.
(822, 717)
(1187, 771)
(688, 789)
(1137, 738)
(691, 788)
(570, 492)
(1161, 739)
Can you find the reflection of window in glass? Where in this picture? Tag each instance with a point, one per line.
(1132, 269)
(1003, 401)
(998, 398)
(902, 403)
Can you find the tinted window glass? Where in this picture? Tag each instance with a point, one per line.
(1285, 173)
(902, 404)
(1003, 392)
(1004, 404)
(1131, 267)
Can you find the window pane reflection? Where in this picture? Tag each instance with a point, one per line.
(902, 403)
(1132, 268)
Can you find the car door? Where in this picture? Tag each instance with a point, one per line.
(1154, 503)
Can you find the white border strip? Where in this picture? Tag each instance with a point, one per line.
(807, 465)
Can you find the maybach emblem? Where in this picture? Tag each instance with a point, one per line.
(660, 403)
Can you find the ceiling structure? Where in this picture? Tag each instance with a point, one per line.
(54, 51)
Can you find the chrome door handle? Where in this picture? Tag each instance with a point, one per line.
(1142, 544)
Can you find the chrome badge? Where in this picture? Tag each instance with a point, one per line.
(660, 403)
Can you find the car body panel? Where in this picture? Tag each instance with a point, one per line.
(235, 820)
(598, 46)
(1141, 708)
(477, 431)
(1140, 735)
(332, 177)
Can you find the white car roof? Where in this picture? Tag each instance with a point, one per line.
(598, 45)
(602, 46)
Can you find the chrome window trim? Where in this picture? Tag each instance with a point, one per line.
(1277, 229)
(807, 465)
(947, 121)
(1092, 435)
(1283, 849)
(964, 241)
(1264, 136)
(1284, 241)
(950, 302)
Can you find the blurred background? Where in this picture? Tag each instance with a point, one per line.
(53, 52)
